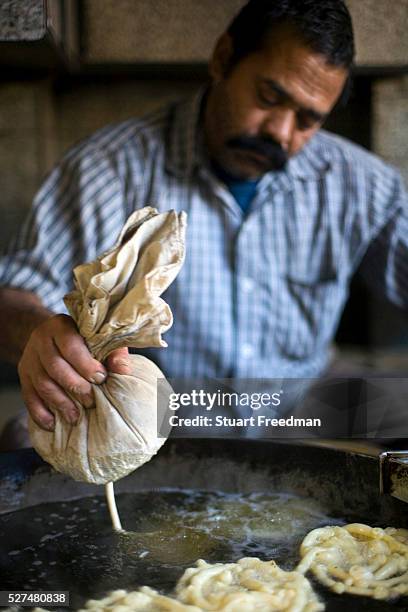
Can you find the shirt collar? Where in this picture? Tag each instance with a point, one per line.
(311, 162)
(184, 141)
(185, 147)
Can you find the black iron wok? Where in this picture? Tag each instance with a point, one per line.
(346, 484)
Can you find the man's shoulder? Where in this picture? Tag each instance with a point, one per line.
(343, 154)
(134, 136)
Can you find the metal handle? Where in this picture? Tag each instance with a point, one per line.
(394, 474)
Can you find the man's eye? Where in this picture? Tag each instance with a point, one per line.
(306, 122)
(267, 101)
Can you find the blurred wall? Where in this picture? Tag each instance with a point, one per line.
(185, 30)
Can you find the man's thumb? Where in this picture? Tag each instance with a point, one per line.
(118, 361)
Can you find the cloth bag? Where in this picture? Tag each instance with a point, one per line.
(116, 303)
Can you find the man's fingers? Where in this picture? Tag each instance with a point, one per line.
(118, 361)
(73, 349)
(57, 368)
(38, 411)
(64, 375)
(52, 396)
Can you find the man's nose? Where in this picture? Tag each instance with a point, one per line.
(280, 126)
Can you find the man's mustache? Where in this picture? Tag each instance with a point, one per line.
(267, 147)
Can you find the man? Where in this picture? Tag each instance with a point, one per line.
(280, 215)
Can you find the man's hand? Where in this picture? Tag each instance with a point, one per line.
(55, 364)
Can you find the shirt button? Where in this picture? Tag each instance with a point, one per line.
(247, 284)
(247, 350)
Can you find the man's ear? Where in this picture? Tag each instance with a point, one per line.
(220, 61)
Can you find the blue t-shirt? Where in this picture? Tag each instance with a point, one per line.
(242, 190)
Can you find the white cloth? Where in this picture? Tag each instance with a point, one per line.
(116, 303)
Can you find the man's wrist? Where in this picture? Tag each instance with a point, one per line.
(33, 319)
(20, 313)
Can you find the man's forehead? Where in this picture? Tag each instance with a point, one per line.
(288, 51)
(276, 89)
(299, 72)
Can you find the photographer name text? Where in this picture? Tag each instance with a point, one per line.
(252, 421)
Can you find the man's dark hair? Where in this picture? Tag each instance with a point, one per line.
(324, 25)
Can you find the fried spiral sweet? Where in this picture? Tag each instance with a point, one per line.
(248, 585)
(358, 559)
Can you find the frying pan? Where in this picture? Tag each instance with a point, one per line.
(38, 551)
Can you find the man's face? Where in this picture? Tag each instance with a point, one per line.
(265, 109)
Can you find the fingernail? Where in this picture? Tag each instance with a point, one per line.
(98, 378)
(121, 363)
(49, 425)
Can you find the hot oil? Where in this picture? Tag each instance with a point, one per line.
(185, 525)
(72, 547)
